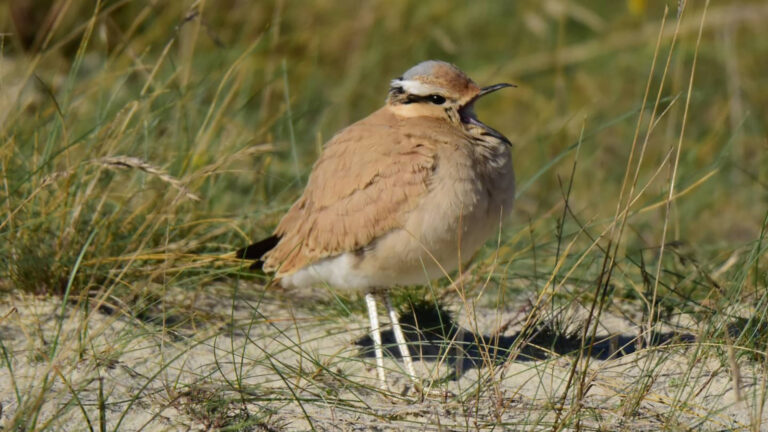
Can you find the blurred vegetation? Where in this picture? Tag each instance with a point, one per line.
(142, 141)
(232, 100)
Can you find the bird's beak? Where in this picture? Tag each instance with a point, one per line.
(490, 89)
(467, 112)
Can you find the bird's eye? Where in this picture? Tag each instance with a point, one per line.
(436, 99)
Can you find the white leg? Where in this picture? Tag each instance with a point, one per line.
(401, 344)
(370, 301)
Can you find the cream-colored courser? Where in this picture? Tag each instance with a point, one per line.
(400, 197)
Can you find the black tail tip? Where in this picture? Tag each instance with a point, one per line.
(257, 250)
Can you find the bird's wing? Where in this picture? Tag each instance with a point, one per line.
(368, 177)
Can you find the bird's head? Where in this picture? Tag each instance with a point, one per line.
(438, 89)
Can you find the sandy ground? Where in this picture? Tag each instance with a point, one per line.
(280, 365)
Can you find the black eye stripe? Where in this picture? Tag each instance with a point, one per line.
(433, 99)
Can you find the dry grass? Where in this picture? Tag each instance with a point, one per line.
(628, 291)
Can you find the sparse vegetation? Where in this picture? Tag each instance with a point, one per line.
(143, 142)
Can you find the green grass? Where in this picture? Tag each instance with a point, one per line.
(143, 142)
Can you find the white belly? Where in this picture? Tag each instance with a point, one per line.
(339, 271)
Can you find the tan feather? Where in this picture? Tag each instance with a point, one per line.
(367, 178)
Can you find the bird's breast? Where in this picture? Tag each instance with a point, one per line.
(471, 192)
(468, 198)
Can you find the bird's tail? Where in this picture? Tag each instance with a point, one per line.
(257, 250)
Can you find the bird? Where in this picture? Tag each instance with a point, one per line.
(400, 197)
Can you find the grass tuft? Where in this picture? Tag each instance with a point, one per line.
(141, 143)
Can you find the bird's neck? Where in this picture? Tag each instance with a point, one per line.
(448, 114)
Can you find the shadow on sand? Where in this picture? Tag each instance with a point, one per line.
(432, 335)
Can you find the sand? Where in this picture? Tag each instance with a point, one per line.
(282, 362)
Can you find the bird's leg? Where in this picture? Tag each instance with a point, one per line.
(370, 301)
(401, 344)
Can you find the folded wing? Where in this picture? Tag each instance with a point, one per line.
(367, 179)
